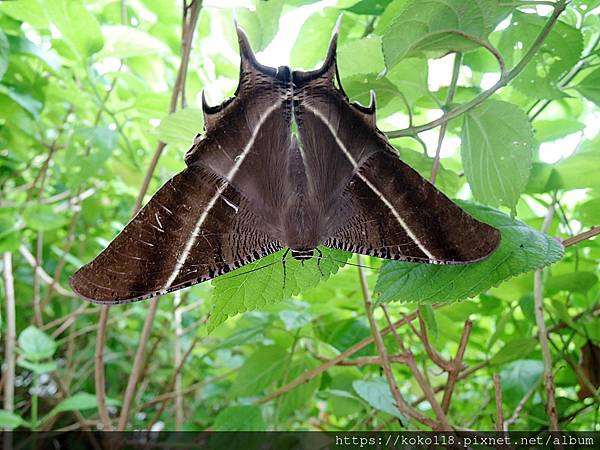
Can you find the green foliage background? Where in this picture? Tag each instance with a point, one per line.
(85, 91)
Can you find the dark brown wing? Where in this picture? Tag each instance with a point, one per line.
(195, 228)
(374, 203)
(388, 210)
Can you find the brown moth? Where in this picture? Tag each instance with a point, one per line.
(290, 162)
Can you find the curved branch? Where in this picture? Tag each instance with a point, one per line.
(503, 81)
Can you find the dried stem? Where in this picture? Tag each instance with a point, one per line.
(538, 297)
(425, 386)
(404, 408)
(457, 361)
(99, 369)
(11, 334)
(582, 237)
(42, 273)
(498, 394)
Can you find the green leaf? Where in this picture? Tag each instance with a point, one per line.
(246, 288)
(497, 152)
(38, 368)
(589, 87)
(126, 42)
(239, 418)
(433, 27)
(428, 315)
(361, 57)
(10, 420)
(311, 46)
(30, 11)
(262, 24)
(43, 217)
(4, 51)
(295, 399)
(377, 394)
(36, 345)
(350, 332)
(516, 349)
(369, 7)
(580, 170)
(101, 143)
(260, 370)
(571, 282)
(23, 98)
(180, 128)
(559, 52)
(518, 377)
(522, 249)
(78, 402)
(22, 45)
(78, 27)
(551, 130)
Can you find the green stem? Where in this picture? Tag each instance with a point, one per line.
(34, 402)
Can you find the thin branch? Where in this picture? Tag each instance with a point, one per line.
(37, 310)
(11, 334)
(42, 273)
(307, 376)
(538, 297)
(453, 376)
(404, 408)
(436, 358)
(99, 370)
(503, 81)
(177, 361)
(581, 237)
(499, 412)
(443, 424)
(458, 57)
(137, 365)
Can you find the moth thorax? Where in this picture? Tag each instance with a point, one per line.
(302, 255)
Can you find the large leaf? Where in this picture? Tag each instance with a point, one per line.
(436, 27)
(559, 52)
(260, 370)
(262, 24)
(519, 377)
(248, 288)
(590, 86)
(78, 27)
(580, 170)
(522, 249)
(35, 344)
(497, 152)
(377, 393)
(516, 349)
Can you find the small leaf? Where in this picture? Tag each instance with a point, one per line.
(295, 399)
(4, 46)
(571, 282)
(35, 344)
(518, 377)
(180, 128)
(260, 370)
(590, 87)
(126, 42)
(522, 249)
(428, 315)
(78, 402)
(247, 288)
(361, 56)
(239, 418)
(369, 7)
(43, 217)
(37, 368)
(580, 170)
(497, 152)
(10, 420)
(377, 393)
(516, 349)
(78, 27)
(551, 130)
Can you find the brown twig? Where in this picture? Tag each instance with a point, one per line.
(11, 334)
(499, 412)
(453, 376)
(404, 408)
(307, 376)
(443, 424)
(433, 354)
(538, 297)
(99, 370)
(582, 237)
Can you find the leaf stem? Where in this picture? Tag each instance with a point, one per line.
(503, 81)
(594, 231)
(11, 335)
